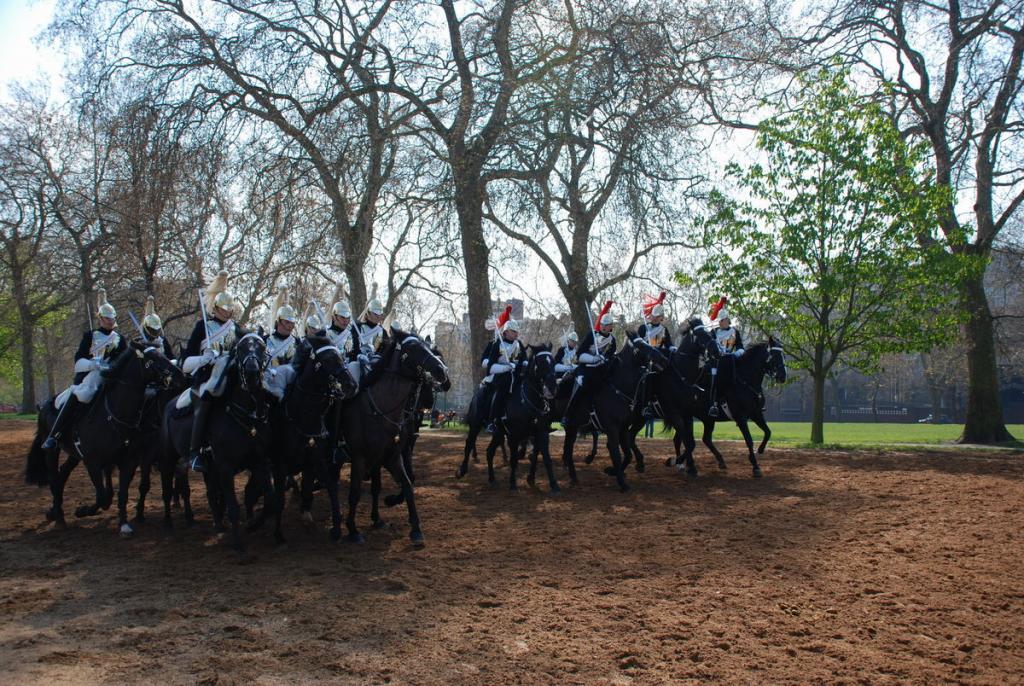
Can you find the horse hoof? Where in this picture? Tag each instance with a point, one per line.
(513, 490)
(335, 533)
(356, 538)
(574, 482)
(190, 521)
(392, 500)
(380, 524)
(611, 471)
(53, 515)
(554, 490)
(417, 539)
(307, 518)
(140, 518)
(168, 525)
(126, 530)
(640, 467)
(461, 472)
(722, 464)
(244, 557)
(757, 473)
(84, 511)
(624, 488)
(670, 462)
(588, 459)
(530, 481)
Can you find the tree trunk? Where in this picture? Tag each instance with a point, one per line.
(984, 421)
(578, 298)
(49, 363)
(475, 254)
(818, 409)
(28, 382)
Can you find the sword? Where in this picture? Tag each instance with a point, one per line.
(206, 324)
(138, 326)
(88, 313)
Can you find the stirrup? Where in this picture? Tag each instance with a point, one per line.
(491, 428)
(196, 463)
(713, 411)
(50, 443)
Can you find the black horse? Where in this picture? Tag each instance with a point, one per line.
(238, 435)
(740, 385)
(102, 436)
(677, 385)
(301, 440)
(615, 401)
(527, 414)
(375, 422)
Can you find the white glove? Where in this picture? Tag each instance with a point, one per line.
(362, 357)
(563, 368)
(83, 365)
(98, 365)
(672, 348)
(524, 363)
(500, 368)
(738, 353)
(587, 358)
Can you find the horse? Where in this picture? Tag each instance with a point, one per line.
(301, 440)
(616, 401)
(697, 348)
(376, 420)
(238, 436)
(740, 385)
(527, 407)
(101, 436)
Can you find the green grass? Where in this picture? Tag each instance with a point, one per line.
(841, 435)
(31, 416)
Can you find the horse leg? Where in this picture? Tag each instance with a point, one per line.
(215, 499)
(567, 459)
(183, 494)
(636, 452)
(689, 445)
(542, 444)
(108, 490)
(709, 430)
(677, 443)
(513, 449)
(763, 425)
(531, 476)
(331, 474)
(492, 447)
(355, 487)
(98, 476)
(251, 496)
(225, 475)
(593, 450)
(263, 475)
(397, 471)
(470, 448)
(614, 440)
(167, 491)
(58, 477)
(749, 440)
(125, 474)
(375, 488)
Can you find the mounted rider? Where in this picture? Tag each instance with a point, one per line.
(370, 334)
(282, 345)
(596, 351)
(500, 359)
(153, 330)
(342, 333)
(206, 359)
(98, 348)
(565, 358)
(730, 347)
(653, 329)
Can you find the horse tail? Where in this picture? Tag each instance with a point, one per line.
(36, 472)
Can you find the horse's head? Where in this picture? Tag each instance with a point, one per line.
(542, 368)
(327, 366)
(156, 368)
(250, 355)
(696, 339)
(646, 353)
(776, 365)
(417, 361)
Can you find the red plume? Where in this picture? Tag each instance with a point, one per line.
(503, 317)
(717, 307)
(602, 313)
(650, 302)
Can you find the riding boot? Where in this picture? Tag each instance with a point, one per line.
(64, 418)
(713, 411)
(195, 456)
(487, 406)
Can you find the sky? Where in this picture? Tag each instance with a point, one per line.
(22, 58)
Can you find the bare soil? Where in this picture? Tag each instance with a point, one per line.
(837, 567)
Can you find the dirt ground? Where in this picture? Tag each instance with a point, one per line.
(834, 568)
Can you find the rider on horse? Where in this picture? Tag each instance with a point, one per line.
(282, 344)
(730, 345)
(370, 334)
(500, 358)
(206, 359)
(342, 333)
(565, 358)
(153, 330)
(597, 349)
(653, 329)
(99, 347)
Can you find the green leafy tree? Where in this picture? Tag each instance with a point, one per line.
(828, 243)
